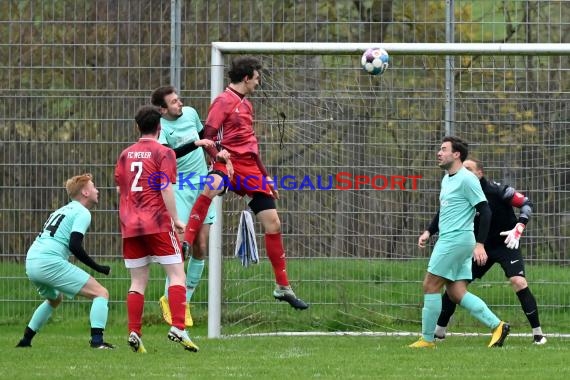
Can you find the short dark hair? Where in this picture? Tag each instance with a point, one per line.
(458, 145)
(242, 67)
(148, 119)
(158, 95)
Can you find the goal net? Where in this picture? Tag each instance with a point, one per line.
(354, 157)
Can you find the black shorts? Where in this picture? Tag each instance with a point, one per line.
(511, 261)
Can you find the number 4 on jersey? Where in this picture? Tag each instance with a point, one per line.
(53, 223)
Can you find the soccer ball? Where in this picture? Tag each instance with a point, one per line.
(375, 61)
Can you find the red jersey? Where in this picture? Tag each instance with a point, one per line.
(230, 124)
(141, 208)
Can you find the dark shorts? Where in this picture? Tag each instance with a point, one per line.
(511, 261)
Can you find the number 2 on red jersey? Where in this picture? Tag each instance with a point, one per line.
(136, 166)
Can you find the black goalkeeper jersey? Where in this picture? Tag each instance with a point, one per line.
(503, 218)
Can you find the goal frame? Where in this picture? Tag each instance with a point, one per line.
(218, 49)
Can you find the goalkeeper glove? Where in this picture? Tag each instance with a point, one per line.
(513, 236)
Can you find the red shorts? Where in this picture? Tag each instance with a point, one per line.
(247, 178)
(162, 248)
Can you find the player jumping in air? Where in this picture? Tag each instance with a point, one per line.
(230, 125)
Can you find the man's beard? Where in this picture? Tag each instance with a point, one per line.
(445, 165)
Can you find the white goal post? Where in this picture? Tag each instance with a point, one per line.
(218, 82)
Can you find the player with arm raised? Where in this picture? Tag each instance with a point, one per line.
(49, 269)
(501, 250)
(182, 130)
(144, 174)
(450, 262)
(230, 125)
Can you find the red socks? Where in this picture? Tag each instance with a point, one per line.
(196, 219)
(177, 303)
(135, 306)
(276, 254)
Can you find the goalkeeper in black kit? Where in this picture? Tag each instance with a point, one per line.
(502, 246)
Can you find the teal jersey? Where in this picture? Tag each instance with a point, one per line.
(457, 199)
(53, 240)
(180, 132)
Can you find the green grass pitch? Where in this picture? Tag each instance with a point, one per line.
(61, 351)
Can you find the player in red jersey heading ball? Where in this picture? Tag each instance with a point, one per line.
(230, 125)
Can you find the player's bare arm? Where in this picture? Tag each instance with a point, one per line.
(479, 254)
(432, 229)
(205, 143)
(423, 239)
(169, 202)
(271, 185)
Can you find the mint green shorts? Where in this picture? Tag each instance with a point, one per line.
(452, 256)
(52, 276)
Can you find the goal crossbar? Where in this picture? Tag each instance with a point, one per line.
(304, 48)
